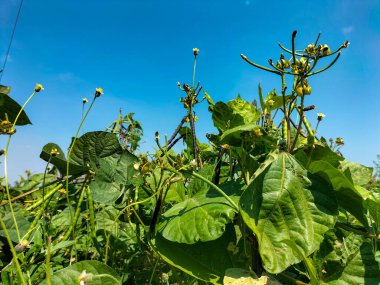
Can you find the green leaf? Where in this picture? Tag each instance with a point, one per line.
(176, 192)
(23, 222)
(92, 146)
(232, 136)
(113, 176)
(5, 89)
(285, 202)
(278, 100)
(359, 264)
(239, 276)
(11, 108)
(59, 161)
(235, 113)
(202, 217)
(314, 280)
(317, 152)
(98, 272)
(204, 260)
(360, 174)
(348, 197)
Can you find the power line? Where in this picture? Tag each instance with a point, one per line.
(11, 40)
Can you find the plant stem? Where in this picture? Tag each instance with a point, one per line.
(220, 191)
(6, 168)
(154, 270)
(77, 212)
(14, 254)
(69, 153)
(287, 114)
(48, 275)
(301, 112)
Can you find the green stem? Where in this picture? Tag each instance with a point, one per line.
(327, 67)
(41, 201)
(6, 168)
(37, 218)
(77, 213)
(259, 66)
(195, 67)
(14, 254)
(48, 275)
(286, 114)
(154, 270)
(92, 212)
(301, 112)
(71, 149)
(220, 191)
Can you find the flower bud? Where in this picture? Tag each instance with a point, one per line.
(38, 88)
(84, 100)
(339, 141)
(98, 92)
(320, 116)
(306, 89)
(310, 49)
(325, 50)
(299, 90)
(54, 152)
(195, 51)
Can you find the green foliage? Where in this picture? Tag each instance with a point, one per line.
(267, 201)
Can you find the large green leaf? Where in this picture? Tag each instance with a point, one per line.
(204, 260)
(113, 176)
(11, 108)
(235, 113)
(92, 146)
(232, 136)
(202, 217)
(285, 202)
(23, 223)
(60, 161)
(316, 152)
(348, 197)
(359, 264)
(98, 274)
(360, 174)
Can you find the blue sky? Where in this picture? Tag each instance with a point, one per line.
(138, 50)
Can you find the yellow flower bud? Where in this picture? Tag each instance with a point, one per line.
(339, 141)
(320, 116)
(195, 51)
(195, 118)
(325, 50)
(98, 92)
(84, 100)
(54, 152)
(306, 89)
(299, 90)
(38, 88)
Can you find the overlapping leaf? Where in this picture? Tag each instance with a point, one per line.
(204, 260)
(349, 198)
(283, 203)
(10, 108)
(113, 176)
(202, 217)
(98, 272)
(60, 161)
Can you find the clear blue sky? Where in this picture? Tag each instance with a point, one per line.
(137, 51)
